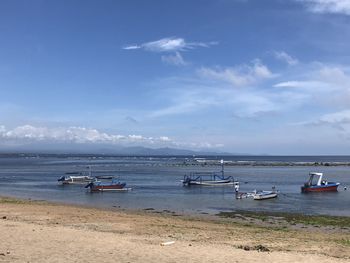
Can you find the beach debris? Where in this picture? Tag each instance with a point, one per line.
(262, 248)
(259, 248)
(2, 254)
(167, 243)
(8, 252)
(4, 217)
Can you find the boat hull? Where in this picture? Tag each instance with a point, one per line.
(108, 188)
(264, 196)
(321, 188)
(209, 183)
(75, 179)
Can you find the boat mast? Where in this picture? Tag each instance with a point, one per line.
(319, 182)
(222, 167)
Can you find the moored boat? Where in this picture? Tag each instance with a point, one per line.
(114, 185)
(75, 179)
(104, 177)
(320, 186)
(207, 179)
(262, 195)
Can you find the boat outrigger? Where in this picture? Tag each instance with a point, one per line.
(208, 178)
(82, 177)
(320, 186)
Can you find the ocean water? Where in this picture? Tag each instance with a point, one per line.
(155, 183)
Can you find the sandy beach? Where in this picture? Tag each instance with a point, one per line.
(38, 231)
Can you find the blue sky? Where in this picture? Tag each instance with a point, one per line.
(244, 76)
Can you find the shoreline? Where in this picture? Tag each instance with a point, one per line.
(42, 231)
(202, 160)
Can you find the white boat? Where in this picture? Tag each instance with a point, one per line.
(262, 195)
(75, 179)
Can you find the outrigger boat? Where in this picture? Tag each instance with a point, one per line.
(104, 177)
(75, 178)
(320, 186)
(208, 178)
(114, 185)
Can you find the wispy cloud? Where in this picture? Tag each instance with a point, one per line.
(239, 76)
(176, 59)
(238, 91)
(328, 6)
(300, 84)
(283, 56)
(327, 85)
(170, 44)
(340, 117)
(131, 47)
(340, 121)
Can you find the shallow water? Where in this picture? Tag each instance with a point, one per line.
(156, 184)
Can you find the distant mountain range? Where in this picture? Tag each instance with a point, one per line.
(102, 149)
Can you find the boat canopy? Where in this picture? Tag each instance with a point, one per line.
(317, 174)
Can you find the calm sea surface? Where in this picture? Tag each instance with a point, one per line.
(156, 183)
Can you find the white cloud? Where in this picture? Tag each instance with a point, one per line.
(176, 59)
(336, 120)
(165, 138)
(131, 47)
(328, 6)
(240, 76)
(30, 134)
(300, 84)
(72, 134)
(169, 44)
(245, 91)
(328, 86)
(341, 117)
(283, 56)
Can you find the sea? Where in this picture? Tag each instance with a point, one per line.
(156, 182)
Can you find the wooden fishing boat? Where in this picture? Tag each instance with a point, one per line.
(114, 185)
(258, 195)
(263, 195)
(75, 179)
(207, 179)
(320, 186)
(105, 177)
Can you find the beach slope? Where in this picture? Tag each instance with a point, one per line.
(35, 231)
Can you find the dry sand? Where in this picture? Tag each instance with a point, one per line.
(44, 232)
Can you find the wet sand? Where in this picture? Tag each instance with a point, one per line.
(38, 231)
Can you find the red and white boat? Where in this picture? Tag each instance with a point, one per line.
(320, 186)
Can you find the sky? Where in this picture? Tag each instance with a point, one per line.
(239, 76)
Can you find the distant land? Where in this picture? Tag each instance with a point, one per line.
(106, 150)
